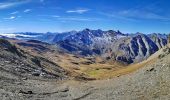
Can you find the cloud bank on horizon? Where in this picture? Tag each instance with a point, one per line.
(145, 16)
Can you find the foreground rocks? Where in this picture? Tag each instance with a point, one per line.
(151, 82)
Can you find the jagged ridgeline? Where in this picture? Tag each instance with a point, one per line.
(114, 45)
(110, 45)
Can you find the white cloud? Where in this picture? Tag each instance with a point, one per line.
(10, 18)
(55, 16)
(13, 13)
(135, 15)
(6, 5)
(142, 14)
(117, 16)
(78, 19)
(27, 10)
(79, 11)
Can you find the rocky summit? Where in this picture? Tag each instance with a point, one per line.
(113, 45)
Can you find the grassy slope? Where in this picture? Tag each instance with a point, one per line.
(77, 66)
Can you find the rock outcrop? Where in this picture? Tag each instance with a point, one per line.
(128, 48)
(21, 63)
(114, 45)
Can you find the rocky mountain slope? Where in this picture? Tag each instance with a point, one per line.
(127, 48)
(114, 44)
(31, 70)
(16, 61)
(150, 82)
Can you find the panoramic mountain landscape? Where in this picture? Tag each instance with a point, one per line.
(73, 50)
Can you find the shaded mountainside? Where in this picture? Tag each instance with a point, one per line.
(111, 45)
(76, 66)
(14, 60)
(114, 44)
(150, 82)
(89, 42)
(30, 69)
(136, 48)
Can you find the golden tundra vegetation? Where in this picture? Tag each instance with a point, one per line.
(90, 68)
(147, 80)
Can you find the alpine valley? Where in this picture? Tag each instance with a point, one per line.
(81, 65)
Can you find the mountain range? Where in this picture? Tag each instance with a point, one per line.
(87, 64)
(110, 45)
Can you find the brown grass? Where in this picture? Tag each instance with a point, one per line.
(96, 70)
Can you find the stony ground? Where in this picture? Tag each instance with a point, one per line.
(152, 82)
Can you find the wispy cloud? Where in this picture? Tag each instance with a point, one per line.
(136, 14)
(13, 13)
(116, 16)
(139, 12)
(55, 16)
(66, 19)
(6, 5)
(142, 14)
(79, 11)
(77, 19)
(10, 18)
(27, 10)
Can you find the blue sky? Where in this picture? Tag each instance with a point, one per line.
(129, 16)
